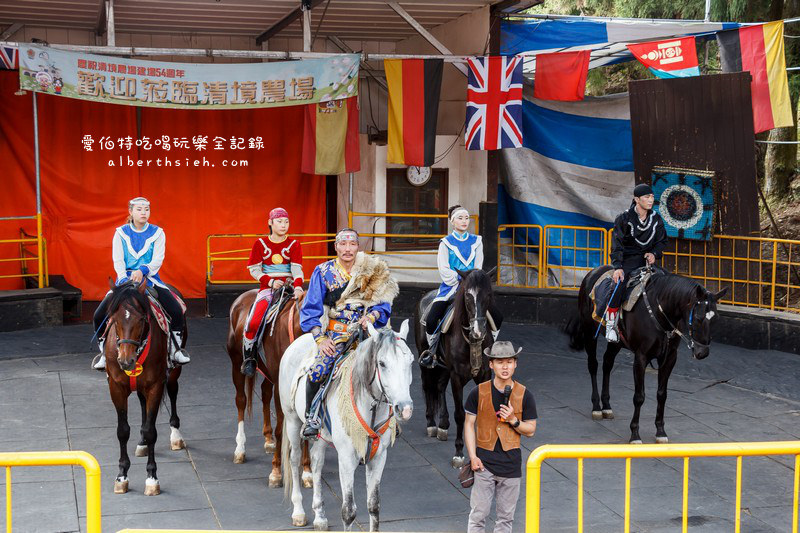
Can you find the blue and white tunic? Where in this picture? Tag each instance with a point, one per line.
(457, 252)
(143, 250)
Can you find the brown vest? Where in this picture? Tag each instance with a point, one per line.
(489, 427)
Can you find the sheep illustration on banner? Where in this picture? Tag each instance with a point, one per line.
(685, 200)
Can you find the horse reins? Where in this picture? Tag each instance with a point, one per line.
(689, 340)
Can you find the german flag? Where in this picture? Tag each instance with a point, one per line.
(759, 50)
(414, 88)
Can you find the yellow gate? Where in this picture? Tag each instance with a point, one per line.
(86, 460)
(628, 452)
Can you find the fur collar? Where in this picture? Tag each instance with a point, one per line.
(371, 283)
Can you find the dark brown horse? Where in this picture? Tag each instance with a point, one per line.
(461, 355)
(679, 309)
(136, 355)
(287, 328)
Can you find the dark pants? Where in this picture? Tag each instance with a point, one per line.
(629, 266)
(438, 310)
(165, 298)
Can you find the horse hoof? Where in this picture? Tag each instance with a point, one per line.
(432, 431)
(151, 487)
(441, 434)
(120, 487)
(636, 441)
(320, 525)
(269, 447)
(597, 415)
(608, 414)
(177, 445)
(308, 480)
(662, 440)
(299, 520)
(275, 481)
(141, 451)
(238, 458)
(457, 462)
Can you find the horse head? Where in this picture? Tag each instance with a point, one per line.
(476, 291)
(128, 311)
(701, 314)
(389, 368)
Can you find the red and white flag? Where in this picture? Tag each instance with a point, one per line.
(673, 58)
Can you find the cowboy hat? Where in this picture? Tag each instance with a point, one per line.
(501, 350)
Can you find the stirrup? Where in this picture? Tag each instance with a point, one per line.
(427, 359)
(180, 357)
(309, 431)
(248, 367)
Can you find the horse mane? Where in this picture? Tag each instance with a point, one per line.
(674, 288)
(475, 279)
(125, 292)
(364, 366)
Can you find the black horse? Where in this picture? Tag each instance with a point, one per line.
(679, 309)
(461, 356)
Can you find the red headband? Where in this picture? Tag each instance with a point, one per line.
(278, 212)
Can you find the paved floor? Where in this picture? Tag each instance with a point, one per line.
(51, 400)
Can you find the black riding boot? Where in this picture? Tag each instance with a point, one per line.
(249, 363)
(427, 358)
(311, 427)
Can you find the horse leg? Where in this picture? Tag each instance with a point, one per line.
(591, 352)
(266, 399)
(120, 400)
(444, 415)
(318, 502)
(347, 469)
(241, 405)
(457, 389)
(638, 396)
(141, 448)
(374, 473)
(292, 430)
(151, 486)
(176, 441)
(276, 477)
(308, 477)
(608, 365)
(430, 389)
(664, 372)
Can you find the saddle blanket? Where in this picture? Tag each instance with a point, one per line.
(604, 287)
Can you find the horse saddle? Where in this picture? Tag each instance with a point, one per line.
(604, 287)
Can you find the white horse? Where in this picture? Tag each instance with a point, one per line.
(371, 387)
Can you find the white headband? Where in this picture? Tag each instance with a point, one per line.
(139, 200)
(458, 212)
(347, 235)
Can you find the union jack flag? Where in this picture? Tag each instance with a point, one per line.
(494, 103)
(9, 57)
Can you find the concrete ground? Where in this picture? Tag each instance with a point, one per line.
(51, 400)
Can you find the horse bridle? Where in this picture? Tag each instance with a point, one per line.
(474, 346)
(142, 342)
(689, 340)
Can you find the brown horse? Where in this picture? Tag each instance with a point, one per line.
(136, 359)
(287, 328)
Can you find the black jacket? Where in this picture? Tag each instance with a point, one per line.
(634, 238)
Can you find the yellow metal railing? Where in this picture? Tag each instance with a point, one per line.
(87, 461)
(23, 258)
(628, 452)
(525, 240)
(761, 272)
(31, 255)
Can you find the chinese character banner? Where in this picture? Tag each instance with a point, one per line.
(186, 85)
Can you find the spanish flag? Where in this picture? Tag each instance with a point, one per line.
(759, 50)
(414, 88)
(330, 137)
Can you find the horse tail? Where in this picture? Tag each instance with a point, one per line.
(574, 330)
(286, 465)
(249, 385)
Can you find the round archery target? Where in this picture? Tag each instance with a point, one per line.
(681, 206)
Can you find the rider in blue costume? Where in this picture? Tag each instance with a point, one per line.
(353, 290)
(138, 250)
(462, 251)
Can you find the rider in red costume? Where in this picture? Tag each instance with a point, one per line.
(274, 262)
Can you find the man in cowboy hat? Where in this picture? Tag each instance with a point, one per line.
(503, 409)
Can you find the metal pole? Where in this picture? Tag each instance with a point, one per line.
(708, 10)
(38, 192)
(111, 38)
(350, 193)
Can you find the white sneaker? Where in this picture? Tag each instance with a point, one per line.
(611, 327)
(99, 362)
(177, 354)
